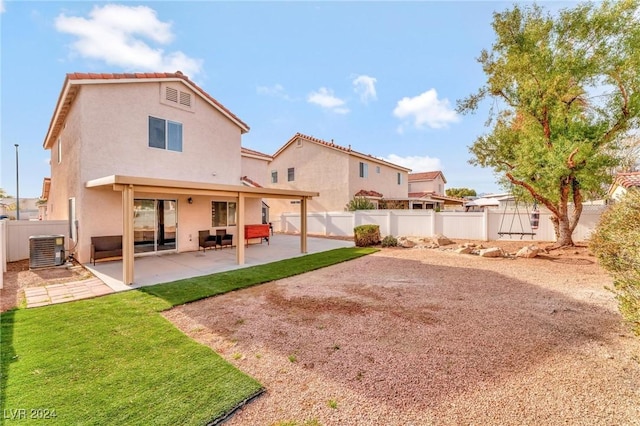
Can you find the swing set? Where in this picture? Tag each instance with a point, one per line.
(534, 220)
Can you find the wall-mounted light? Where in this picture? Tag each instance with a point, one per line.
(190, 200)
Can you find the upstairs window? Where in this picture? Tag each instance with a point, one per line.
(364, 170)
(59, 150)
(165, 134)
(291, 174)
(378, 169)
(399, 178)
(274, 176)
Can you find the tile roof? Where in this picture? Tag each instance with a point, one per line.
(628, 180)
(333, 145)
(244, 150)
(365, 193)
(425, 176)
(73, 80)
(250, 182)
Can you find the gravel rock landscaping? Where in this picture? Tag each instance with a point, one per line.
(430, 336)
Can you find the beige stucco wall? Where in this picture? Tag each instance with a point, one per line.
(384, 182)
(317, 168)
(106, 133)
(436, 185)
(255, 169)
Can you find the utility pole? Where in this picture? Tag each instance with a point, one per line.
(17, 185)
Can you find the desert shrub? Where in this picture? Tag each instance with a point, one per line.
(616, 244)
(389, 241)
(359, 203)
(366, 235)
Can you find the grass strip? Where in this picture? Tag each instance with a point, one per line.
(192, 289)
(116, 360)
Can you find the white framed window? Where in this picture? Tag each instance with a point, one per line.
(364, 170)
(165, 134)
(291, 174)
(223, 213)
(378, 169)
(274, 176)
(399, 178)
(59, 150)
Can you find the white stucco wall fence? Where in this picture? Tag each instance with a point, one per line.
(486, 225)
(15, 236)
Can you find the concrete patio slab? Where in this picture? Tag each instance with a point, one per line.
(161, 268)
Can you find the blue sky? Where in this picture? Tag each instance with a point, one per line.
(383, 77)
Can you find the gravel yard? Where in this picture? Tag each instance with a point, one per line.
(419, 337)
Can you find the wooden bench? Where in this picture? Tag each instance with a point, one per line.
(106, 246)
(256, 231)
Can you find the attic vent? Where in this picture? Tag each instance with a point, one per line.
(172, 95)
(175, 97)
(185, 99)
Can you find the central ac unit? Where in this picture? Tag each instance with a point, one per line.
(46, 250)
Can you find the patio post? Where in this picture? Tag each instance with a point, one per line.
(240, 211)
(127, 235)
(303, 225)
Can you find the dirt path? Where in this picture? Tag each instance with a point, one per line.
(419, 337)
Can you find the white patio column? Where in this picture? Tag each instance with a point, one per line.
(127, 235)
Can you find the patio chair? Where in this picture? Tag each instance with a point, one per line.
(224, 239)
(206, 240)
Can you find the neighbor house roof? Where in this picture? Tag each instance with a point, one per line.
(74, 81)
(256, 154)
(250, 182)
(332, 145)
(433, 196)
(366, 193)
(628, 180)
(417, 177)
(46, 187)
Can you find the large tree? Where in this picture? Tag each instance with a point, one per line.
(564, 89)
(460, 192)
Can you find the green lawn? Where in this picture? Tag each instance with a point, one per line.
(116, 360)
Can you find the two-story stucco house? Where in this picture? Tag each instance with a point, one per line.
(151, 157)
(338, 173)
(427, 190)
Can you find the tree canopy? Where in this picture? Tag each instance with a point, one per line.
(565, 90)
(461, 192)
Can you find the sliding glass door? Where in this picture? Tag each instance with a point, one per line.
(154, 225)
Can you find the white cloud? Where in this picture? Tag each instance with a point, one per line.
(365, 87)
(324, 98)
(277, 90)
(425, 109)
(120, 35)
(416, 163)
(2, 9)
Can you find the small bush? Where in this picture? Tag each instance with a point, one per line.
(389, 241)
(366, 235)
(359, 203)
(616, 243)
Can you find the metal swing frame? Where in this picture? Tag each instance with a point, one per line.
(516, 213)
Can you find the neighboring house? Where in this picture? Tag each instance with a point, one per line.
(338, 173)
(28, 208)
(255, 166)
(427, 191)
(621, 183)
(151, 157)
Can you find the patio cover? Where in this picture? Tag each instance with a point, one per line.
(129, 185)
